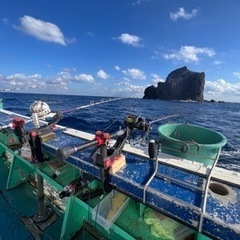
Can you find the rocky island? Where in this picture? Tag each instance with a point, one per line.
(180, 84)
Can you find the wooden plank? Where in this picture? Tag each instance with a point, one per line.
(117, 164)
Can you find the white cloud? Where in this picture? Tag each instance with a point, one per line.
(127, 79)
(136, 88)
(138, 2)
(42, 30)
(64, 76)
(189, 54)
(84, 77)
(5, 21)
(17, 76)
(135, 73)
(156, 79)
(15, 83)
(62, 80)
(20, 78)
(131, 40)
(117, 68)
(221, 86)
(91, 34)
(68, 79)
(68, 75)
(236, 74)
(69, 69)
(126, 88)
(216, 62)
(101, 74)
(182, 13)
(222, 90)
(19, 81)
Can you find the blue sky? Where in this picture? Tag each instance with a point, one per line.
(118, 47)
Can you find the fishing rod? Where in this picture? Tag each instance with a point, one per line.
(41, 111)
(104, 156)
(163, 118)
(131, 122)
(66, 110)
(13, 123)
(89, 105)
(154, 121)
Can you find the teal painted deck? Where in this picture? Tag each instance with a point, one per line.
(11, 226)
(18, 205)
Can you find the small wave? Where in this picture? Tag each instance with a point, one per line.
(76, 123)
(229, 166)
(229, 147)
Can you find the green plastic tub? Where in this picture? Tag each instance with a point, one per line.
(191, 142)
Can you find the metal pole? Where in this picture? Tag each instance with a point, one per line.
(43, 212)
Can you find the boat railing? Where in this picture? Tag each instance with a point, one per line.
(153, 154)
(204, 188)
(204, 197)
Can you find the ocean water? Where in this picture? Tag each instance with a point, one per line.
(108, 117)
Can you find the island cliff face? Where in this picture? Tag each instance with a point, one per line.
(181, 84)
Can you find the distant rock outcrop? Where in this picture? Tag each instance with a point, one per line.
(181, 84)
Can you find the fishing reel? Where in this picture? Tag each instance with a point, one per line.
(41, 133)
(131, 122)
(104, 156)
(41, 111)
(136, 122)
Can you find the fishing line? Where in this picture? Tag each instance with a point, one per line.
(143, 142)
(163, 118)
(110, 125)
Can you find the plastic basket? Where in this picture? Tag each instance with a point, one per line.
(191, 142)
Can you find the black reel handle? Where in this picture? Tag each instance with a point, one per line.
(65, 152)
(152, 149)
(131, 122)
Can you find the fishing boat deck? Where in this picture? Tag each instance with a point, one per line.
(176, 199)
(17, 206)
